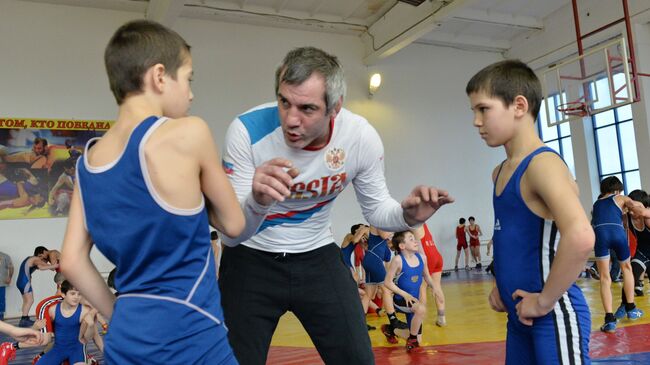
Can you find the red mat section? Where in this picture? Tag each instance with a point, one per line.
(626, 340)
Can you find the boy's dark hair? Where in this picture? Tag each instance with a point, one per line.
(471, 218)
(66, 286)
(39, 250)
(461, 221)
(507, 79)
(214, 236)
(640, 196)
(134, 48)
(610, 184)
(398, 238)
(354, 228)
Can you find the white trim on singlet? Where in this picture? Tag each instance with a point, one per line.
(149, 183)
(81, 197)
(105, 167)
(173, 300)
(568, 332)
(609, 224)
(198, 281)
(29, 278)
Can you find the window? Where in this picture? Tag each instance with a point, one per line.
(558, 137)
(615, 144)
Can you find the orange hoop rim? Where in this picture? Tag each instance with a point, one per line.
(574, 109)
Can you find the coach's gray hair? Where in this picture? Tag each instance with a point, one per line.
(300, 63)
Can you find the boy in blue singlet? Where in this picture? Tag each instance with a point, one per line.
(146, 193)
(611, 234)
(410, 268)
(542, 237)
(74, 325)
(24, 281)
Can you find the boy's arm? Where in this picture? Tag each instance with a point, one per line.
(75, 262)
(223, 207)
(28, 335)
(361, 231)
(425, 272)
(43, 265)
(87, 324)
(550, 180)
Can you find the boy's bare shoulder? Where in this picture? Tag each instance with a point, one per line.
(188, 133)
(548, 171)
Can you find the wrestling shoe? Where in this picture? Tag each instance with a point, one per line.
(7, 352)
(411, 343)
(634, 314)
(388, 332)
(608, 327)
(620, 312)
(25, 322)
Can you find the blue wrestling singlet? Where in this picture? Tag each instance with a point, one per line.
(524, 248)
(24, 280)
(373, 261)
(66, 340)
(169, 310)
(607, 219)
(409, 280)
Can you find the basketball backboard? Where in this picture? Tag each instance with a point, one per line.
(597, 81)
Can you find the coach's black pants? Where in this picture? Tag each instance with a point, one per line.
(258, 287)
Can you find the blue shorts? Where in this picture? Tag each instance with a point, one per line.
(73, 353)
(24, 285)
(375, 269)
(156, 331)
(560, 337)
(611, 237)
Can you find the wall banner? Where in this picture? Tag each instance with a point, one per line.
(37, 164)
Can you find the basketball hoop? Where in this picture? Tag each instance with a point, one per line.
(574, 109)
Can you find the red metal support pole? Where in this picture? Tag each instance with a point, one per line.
(630, 45)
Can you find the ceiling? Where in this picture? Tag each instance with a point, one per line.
(385, 26)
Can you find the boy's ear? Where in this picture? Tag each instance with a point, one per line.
(521, 106)
(156, 76)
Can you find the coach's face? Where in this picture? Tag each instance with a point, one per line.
(305, 122)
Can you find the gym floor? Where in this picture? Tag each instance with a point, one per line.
(474, 333)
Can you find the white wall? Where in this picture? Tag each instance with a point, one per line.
(52, 66)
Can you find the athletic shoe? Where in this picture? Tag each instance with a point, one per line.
(397, 324)
(441, 321)
(594, 273)
(388, 332)
(25, 323)
(634, 314)
(379, 312)
(7, 352)
(411, 343)
(479, 266)
(608, 327)
(467, 268)
(455, 268)
(620, 312)
(638, 291)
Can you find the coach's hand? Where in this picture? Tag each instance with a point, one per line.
(272, 181)
(422, 203)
